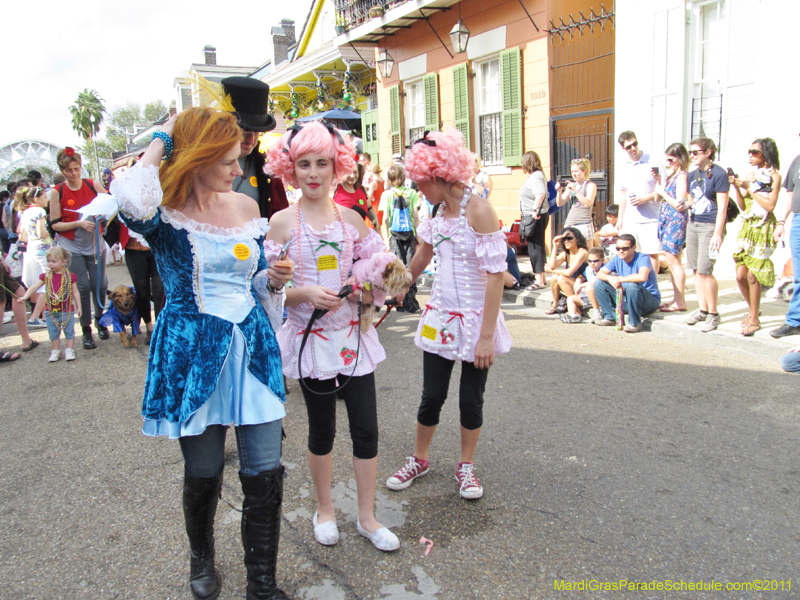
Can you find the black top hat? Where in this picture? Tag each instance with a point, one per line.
(250, 98)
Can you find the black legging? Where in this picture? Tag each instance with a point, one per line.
(536, 249)
(146, 282)
(360, 401)
(436, 371)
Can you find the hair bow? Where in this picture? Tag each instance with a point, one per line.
(69, 151)
(333, 131)
(424, 140)
(295, 129)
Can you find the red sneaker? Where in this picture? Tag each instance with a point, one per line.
(471, 488)
(403, 478)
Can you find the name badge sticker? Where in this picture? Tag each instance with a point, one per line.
(428, 332)
(241, 251)
(327, 263)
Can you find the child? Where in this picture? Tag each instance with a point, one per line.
(607, 235)
(63, 300)
(584, 289)
(462, 321)
(323, 243)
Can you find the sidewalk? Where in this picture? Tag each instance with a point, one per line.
(732, 309)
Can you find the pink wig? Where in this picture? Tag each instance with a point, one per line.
(313, 137)
(448, 159)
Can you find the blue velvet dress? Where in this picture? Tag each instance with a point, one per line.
(214, 358)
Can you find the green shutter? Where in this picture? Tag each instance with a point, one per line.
(511, 84)
(461, 101)
(369, 133)
(396, 125)
(430, 89)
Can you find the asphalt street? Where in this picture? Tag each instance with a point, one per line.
(668, 455)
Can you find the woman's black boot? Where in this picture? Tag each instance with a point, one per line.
(261, 527)
(200, 496)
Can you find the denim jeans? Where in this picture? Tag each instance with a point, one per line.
(259, 449)
(637, 299)
(54, 332)
(793, 314)
(513, 267)
(791, 362)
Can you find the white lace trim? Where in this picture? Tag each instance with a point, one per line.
(138, 237)
(250, 230)
(138, 192)
(197, 275)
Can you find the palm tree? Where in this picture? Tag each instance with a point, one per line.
(87, 114)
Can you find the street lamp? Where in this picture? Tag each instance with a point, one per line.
(385, 63)
(459, 35)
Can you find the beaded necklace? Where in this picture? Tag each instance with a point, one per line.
(458, 247)
(300, 227)
(61, 298)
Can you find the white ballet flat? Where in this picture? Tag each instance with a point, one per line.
(327, 534)
(382, 539)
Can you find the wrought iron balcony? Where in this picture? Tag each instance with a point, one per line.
(352, 13)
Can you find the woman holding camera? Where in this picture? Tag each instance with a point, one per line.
(756, 195)
(581, 193)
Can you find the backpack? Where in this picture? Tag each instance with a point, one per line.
(401, 219)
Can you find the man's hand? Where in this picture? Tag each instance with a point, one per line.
(614, 280)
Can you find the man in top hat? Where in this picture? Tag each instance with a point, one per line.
(250, 97)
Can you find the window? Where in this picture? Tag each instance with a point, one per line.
(415, 110)
(708, 69)
(489, 112)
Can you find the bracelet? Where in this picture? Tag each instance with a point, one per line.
(274, 290)
(164, 137)
(781, 222)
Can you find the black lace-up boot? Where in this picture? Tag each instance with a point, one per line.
(200, 496)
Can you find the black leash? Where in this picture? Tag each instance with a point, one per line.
(318, 313)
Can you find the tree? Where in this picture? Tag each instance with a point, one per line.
(123, 119)
(87, 115)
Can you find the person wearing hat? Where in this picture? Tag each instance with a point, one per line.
(250, 97)
(35, 177)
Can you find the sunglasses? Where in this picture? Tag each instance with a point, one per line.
(695, 152)
(754, 152)
(568, 239)
(630, 146)
(590, 261)
(623, 248)
(671, 160)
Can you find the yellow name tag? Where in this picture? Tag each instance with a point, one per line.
(327, 263)
(254, 181)
(241, 251)
(428, 332)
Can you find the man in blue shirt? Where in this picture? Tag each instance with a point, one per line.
(633, 272)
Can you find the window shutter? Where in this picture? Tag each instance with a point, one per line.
(396, 129)
(667, 72)
(461, 101)
(511, 85)
(369, 133)
(430, 90)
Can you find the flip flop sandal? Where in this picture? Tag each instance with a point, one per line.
(551, 310)
(32, 345)
(750, 330)
(668, 309)
(9, 356)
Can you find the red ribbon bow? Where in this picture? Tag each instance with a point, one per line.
(69, 151)
(456, 315)
(315, 332)
(352, 324)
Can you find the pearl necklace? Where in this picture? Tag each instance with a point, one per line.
(301, 224)
(458, 243)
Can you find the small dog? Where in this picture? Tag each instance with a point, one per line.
(384, 274)
(123, 312)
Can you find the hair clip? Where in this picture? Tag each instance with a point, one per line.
(424, 140)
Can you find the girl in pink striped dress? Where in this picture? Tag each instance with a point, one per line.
(462, 321)
(323, 242)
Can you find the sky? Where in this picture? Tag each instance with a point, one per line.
(131, 52)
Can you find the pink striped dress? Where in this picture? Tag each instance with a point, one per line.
(333, 346)
(465, 259)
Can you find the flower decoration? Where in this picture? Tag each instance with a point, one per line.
(346, 95)
(69, 151)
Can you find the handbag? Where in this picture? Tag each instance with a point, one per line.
(526, 226)
(552, 198)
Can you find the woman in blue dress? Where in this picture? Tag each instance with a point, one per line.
(214, 358)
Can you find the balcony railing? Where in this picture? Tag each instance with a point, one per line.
(352, 13)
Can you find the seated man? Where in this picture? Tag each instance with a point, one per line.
(633, 271)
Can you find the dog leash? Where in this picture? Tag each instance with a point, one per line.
(100, 264)
(318, 313)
